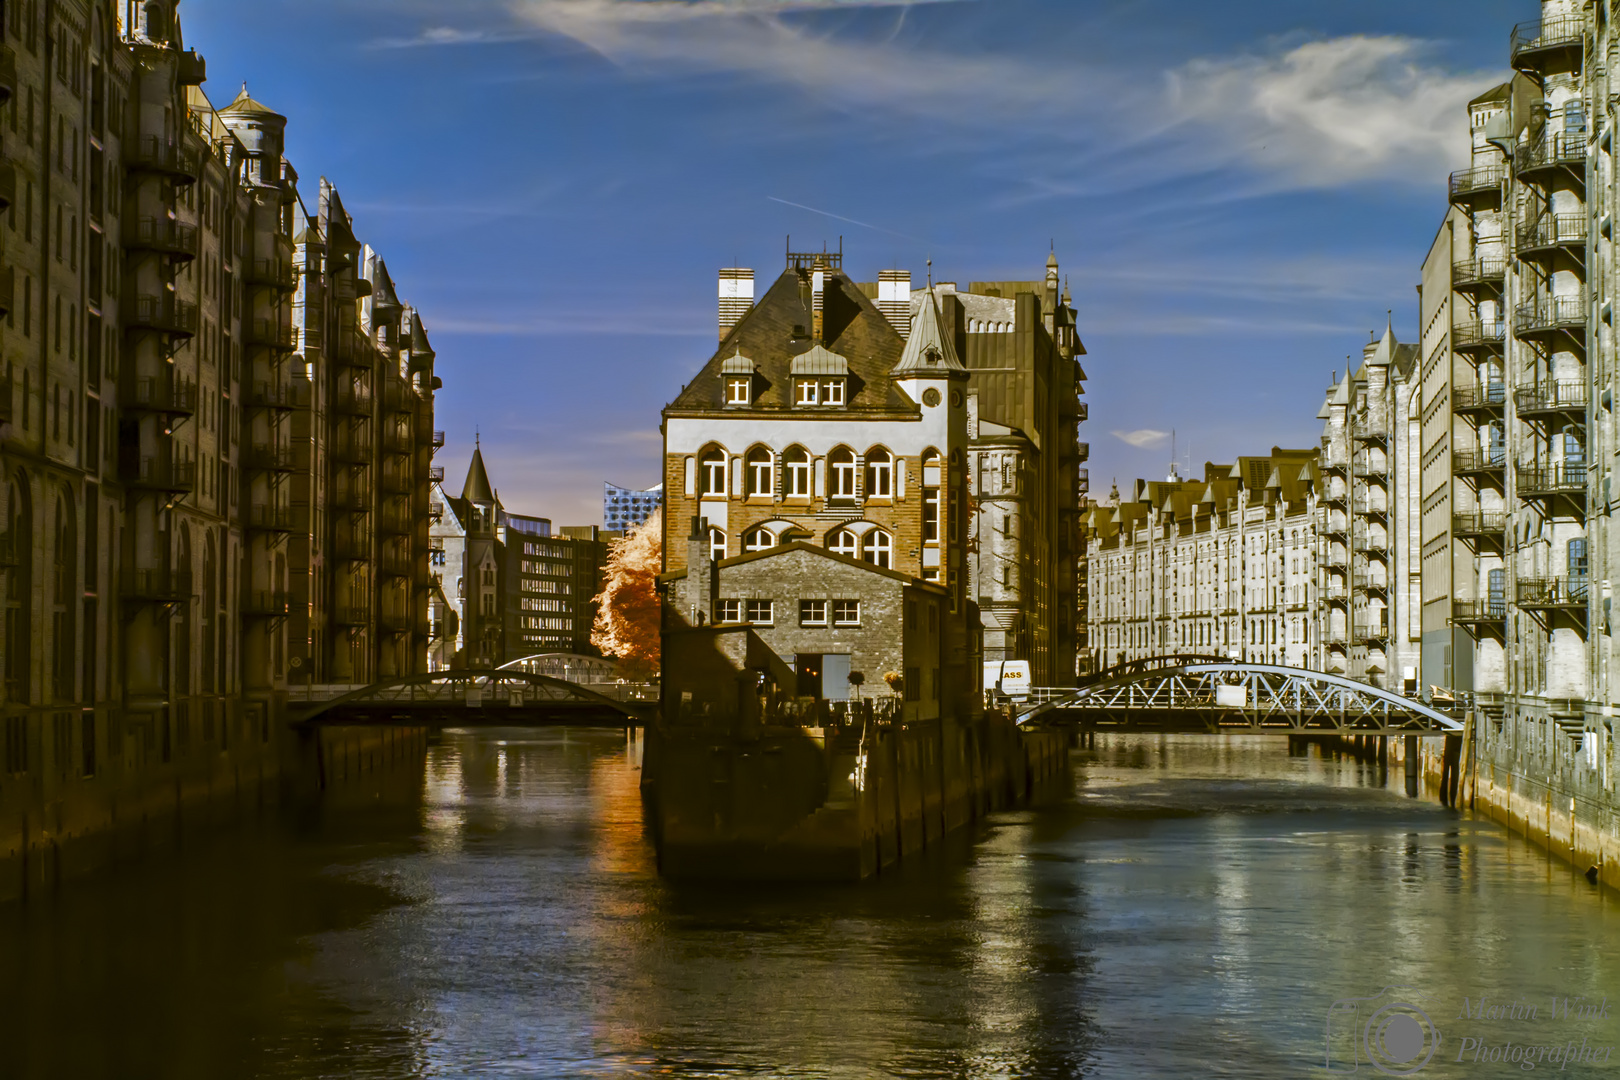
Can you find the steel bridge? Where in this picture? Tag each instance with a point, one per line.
(1210, 695)
(473, 698)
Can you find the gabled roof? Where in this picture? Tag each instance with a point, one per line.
(1496, 93)
(244, 105)
(477, 488)
(777, 330)
(931, 348)
(811, 549)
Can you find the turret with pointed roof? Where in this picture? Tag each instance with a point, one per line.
(930, 350)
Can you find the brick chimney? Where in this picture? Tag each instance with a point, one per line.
(818, 290)
(894, 299)
(736, 297)
(702, 576)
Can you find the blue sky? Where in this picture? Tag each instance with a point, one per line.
(1237, 192)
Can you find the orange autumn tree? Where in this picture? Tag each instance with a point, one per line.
(627, 611)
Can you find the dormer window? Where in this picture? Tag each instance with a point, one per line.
(737, 371)
(819, 378)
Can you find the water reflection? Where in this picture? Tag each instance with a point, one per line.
(1193, 909)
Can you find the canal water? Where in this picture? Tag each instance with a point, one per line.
(1191, 907)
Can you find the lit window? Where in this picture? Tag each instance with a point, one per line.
(878, 549)
(812, 613)
(841, 466)
(761, 472)
(739, 390)
(761, 611)
(714, 472)
(879, 474)
(844, 543)
(717, 544)
(796, 473)
(758, 540)
(846, 612)
(729, 611)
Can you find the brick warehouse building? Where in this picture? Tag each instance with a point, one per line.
(805, 425)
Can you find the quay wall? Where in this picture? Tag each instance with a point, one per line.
(838, 802)
(148, 786)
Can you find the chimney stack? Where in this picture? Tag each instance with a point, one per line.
(894, 299)
(736, 297)
(818, 290)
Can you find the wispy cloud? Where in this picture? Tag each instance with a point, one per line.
(554, 324)
(1142, 438)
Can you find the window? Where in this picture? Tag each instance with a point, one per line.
(761, 611)
(729, 611)
(761, 472)
(713, 468)
(739, 390)
(846, 612)
(930, 512)
(843, 542)
(717, 545)
(796, 473)
(758, 540)
(913, 684)
(841, 468)
(879, 474)
(812, 613)
(878, 549)
(818, 391)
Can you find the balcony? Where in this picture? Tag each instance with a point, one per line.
(395, 519)
(1476, 337)
(351, 615)
(1369, 634)
(395, 622)
(171, 238)
(1565, 399)
(192, 69)
(1557, 155)
(352, 501)
(153, 587)
(1084, 450)
(353, 399)
(397, 439)
(265, 604)
(437, 439)
(1570, 591)
(272, 274)
(351, 545)
(1537, 45)
(161, 474)
(1487, 400)
(396, 481)
(1334, 499)
(1478, 188)
(1372, 513)
(1082, 412)
(164, 314)
(1370, 437)
(436, 474)
(352, 446)
(1552, 481)
(396, 564)
(283, 397)
(397, 398)
(1480, 527)
(8, 73)
(163, 394)
(1473, 277)
(1551, 235)
(176, 161)
(1374, 471)
(1550, 317)
(1488, 614)
(270, 458)
(1480, 465)
(271, 334)
(1336, 529)
(269, 518)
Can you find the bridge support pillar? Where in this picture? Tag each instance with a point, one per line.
(1383, 753)
(1411, 755)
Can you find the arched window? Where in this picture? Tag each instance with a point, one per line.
(758, 540)
(877, 548)
(879, 474)
(712, 466)
(761, 472)
(844, 542)
(717, 544)
(841, 473)
(796, 473)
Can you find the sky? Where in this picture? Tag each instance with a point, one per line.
(1238, 193)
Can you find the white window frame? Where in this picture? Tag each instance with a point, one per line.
(798, 474)
(842, 474)
(804, 392)
(760, 471)
(730, 611)
(846, 619)
(879, 475)
(739, 390)
(832, 391)
(812, 613)
(760, 612)
(838, 540)
(758, 540)
(877, 548)
(712, 465)
(717, 544)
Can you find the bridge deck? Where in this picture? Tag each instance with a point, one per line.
(475, 698)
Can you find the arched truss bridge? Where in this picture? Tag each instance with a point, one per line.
(1192, 694)
(474, 698)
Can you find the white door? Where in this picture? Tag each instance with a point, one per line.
(835, 676)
